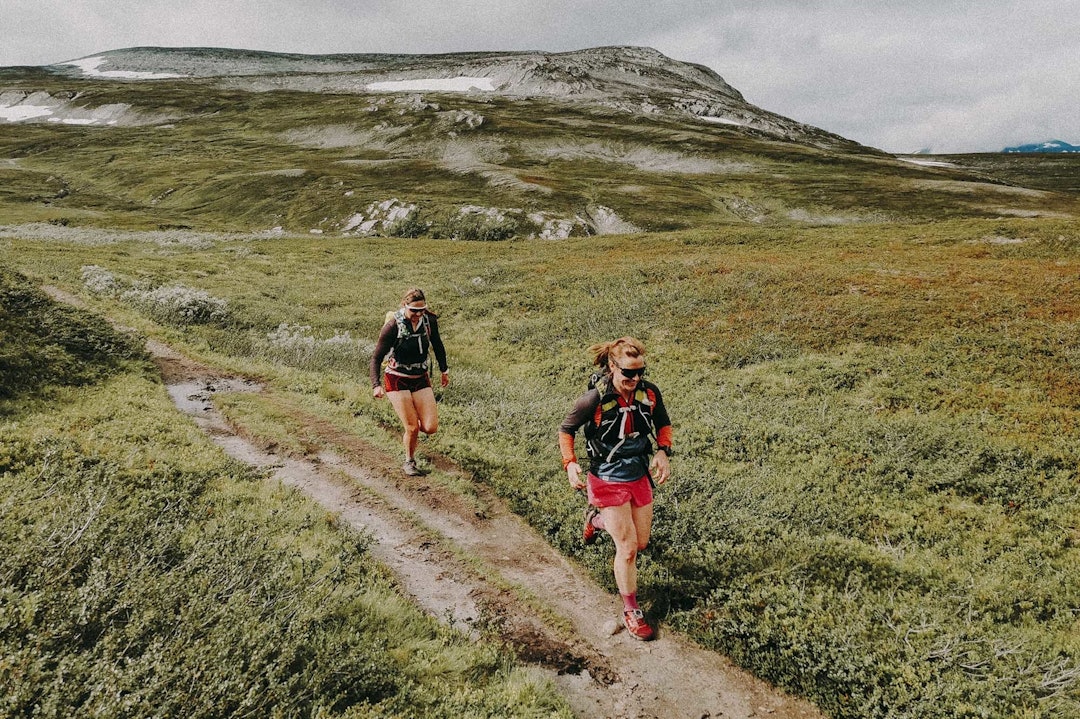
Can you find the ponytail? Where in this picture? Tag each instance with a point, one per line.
(601, 353)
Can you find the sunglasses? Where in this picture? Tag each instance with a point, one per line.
(416, 309)
(631, 373)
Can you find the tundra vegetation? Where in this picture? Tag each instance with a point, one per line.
(146, 574)
(234, 160)
(872, 367)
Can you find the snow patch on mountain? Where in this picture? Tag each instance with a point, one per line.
(91, 66)
(722, 121)
(434, 84)
(1048, 146)
(19, 106)
(23, 111)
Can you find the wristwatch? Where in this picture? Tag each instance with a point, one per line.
(666, 448)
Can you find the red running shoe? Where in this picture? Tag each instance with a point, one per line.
(636, 624)
(588, 532)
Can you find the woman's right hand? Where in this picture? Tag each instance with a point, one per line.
(573, 473)
(377, 391)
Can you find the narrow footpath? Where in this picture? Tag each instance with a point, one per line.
(488, 572)
(602, 671)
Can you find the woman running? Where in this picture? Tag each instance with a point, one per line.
(622, 414)
(406, 338)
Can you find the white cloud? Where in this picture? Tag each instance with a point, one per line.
(906, 75)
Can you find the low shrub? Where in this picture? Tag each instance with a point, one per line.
(43, 343)
(178, 305)
(142, 573)
(480, 228)
(875, 484)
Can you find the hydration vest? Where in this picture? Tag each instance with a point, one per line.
(617, 453)
(409, 355)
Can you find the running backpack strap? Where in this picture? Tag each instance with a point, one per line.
(402, 328)
(405, 327)
(647, 400)
(406, 334)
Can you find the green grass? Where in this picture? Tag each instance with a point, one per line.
(876, 479)
(144, 573)
(46, 345)
(216, 163)
(871, 368)
(1051, 172)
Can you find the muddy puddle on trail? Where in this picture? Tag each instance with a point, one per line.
(420, 536)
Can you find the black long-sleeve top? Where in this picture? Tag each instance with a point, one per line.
(410, 350)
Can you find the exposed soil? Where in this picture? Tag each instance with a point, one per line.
(482, 569)
(422, 532)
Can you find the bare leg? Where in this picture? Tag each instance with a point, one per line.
(629, 528)
(426, 411)
(619, 523)
(402, 402)
(642, 524)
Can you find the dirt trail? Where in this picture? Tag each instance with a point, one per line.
(422, 533)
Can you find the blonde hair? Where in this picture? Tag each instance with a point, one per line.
(413, 294)
(621, 348)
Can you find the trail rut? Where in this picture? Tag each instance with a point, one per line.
(423, 534)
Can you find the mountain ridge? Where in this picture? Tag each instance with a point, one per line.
(1049, 146)
(479, 145)
(636, 80)
(210, 61)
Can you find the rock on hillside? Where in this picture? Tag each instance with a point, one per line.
(629, 79)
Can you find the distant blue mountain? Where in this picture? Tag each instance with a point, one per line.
(1048, 146)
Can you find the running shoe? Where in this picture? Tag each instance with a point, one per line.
(589, 532)
(636, 624)
(411, 469)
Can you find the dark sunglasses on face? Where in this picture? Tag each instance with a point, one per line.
(631, 373)
(415, 310)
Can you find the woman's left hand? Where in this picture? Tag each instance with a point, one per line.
(445, 379)
(660, 468)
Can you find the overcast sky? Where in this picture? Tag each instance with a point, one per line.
(949, 75)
